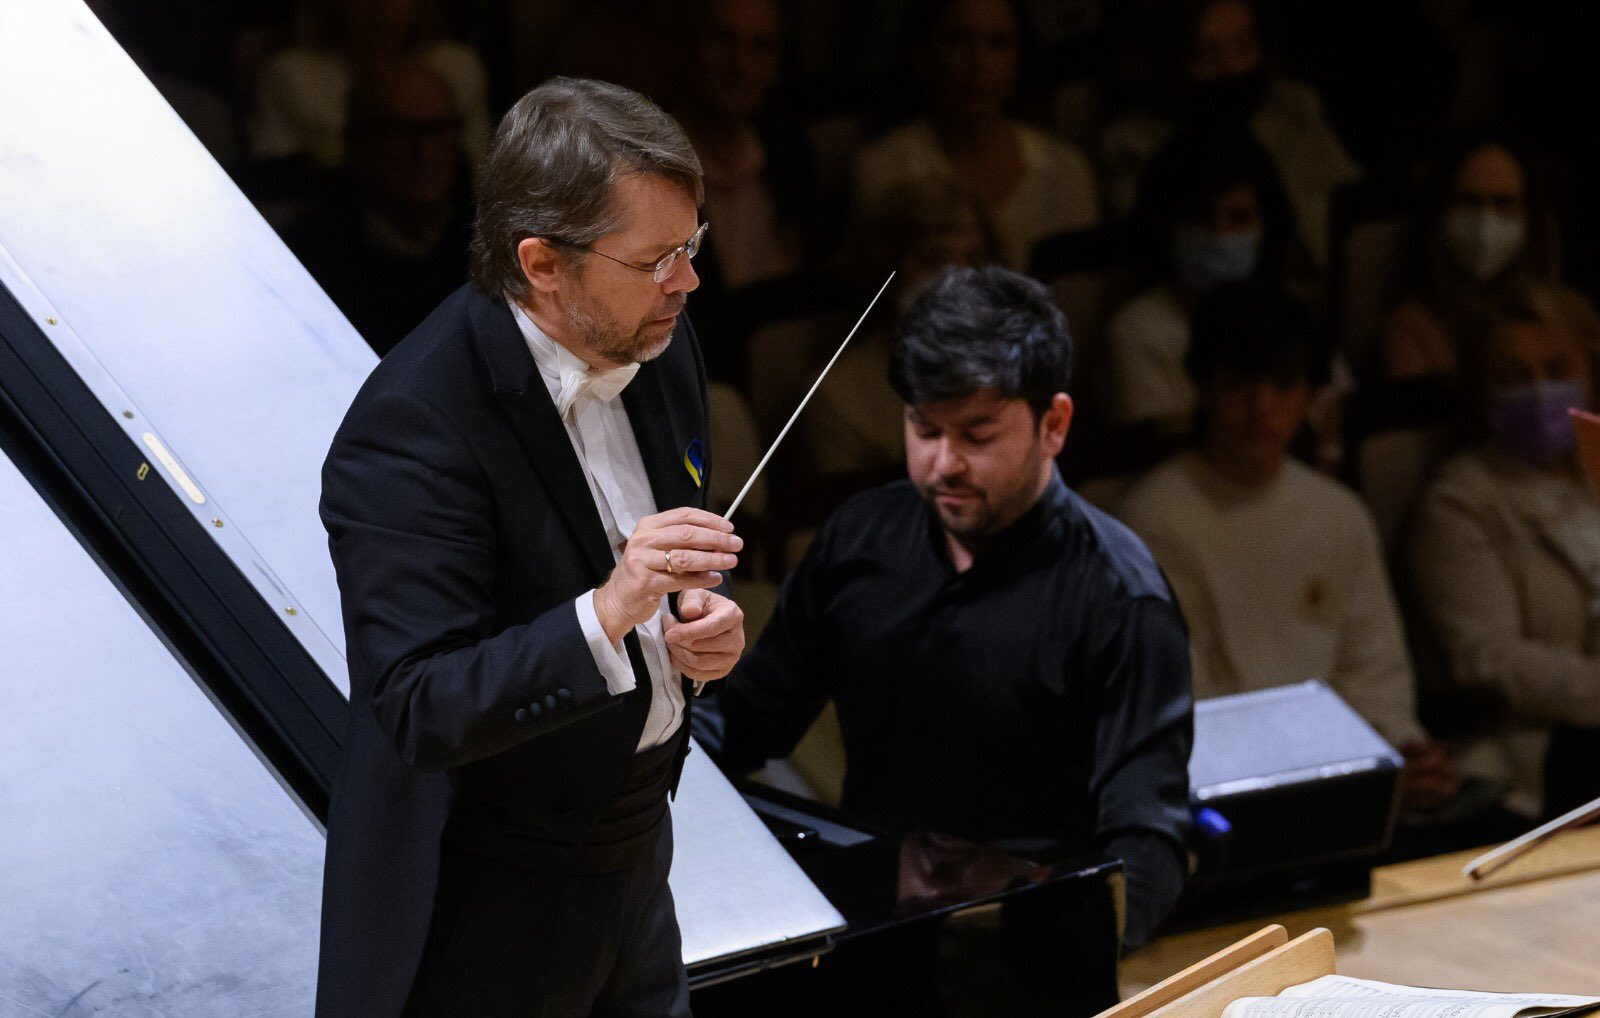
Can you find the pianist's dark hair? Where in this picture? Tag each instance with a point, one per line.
(550, 167)
(977, 328)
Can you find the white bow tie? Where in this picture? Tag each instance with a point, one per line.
(604, 386)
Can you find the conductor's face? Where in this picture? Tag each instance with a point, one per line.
(983, 460)
(604, 304)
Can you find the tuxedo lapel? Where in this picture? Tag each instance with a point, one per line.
(544, 438)
(663, 441)
(663, 445)
(538, 428)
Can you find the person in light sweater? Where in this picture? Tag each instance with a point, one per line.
(1029, 183)
(1278, 569)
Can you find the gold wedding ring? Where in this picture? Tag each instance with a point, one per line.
(668, 556)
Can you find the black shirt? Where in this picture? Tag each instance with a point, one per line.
(1044, 693)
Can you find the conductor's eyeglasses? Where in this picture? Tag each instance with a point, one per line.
(662, 270)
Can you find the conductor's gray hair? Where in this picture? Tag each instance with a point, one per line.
(551, 168)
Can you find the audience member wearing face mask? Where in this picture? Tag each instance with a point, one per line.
(1483, 235)
(1278, 568)
(1030, 184)
(1224, 76)
(1505, 563)
(1212, 211)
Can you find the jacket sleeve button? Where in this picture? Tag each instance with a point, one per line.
(521, 714)
(550, 701)
(534, 710)
(563, 694)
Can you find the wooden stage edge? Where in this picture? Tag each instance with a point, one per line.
(1535, 926)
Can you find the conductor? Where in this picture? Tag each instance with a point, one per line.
(510, 500)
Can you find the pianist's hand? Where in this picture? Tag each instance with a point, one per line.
(707, 643)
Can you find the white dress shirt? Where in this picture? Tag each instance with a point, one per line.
(597, 423)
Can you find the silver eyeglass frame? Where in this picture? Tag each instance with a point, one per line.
(661, 271)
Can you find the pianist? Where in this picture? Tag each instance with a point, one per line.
(1008, 663)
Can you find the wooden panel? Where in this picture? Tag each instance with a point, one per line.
(1441, 876)
(1537, 937)
(1533, 927)
(1303, 959)
(1200, 973)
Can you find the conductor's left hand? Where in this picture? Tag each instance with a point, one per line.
(707, 643)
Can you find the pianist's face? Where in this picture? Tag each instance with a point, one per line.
(618, 313)
(983, 460)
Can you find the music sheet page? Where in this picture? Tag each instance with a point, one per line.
(1347, 997)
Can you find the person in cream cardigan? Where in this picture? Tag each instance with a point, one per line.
(1505, 565)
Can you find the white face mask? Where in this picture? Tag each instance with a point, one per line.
(1484, 241)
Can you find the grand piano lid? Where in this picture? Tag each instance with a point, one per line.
(176, 303)
(212, 352)
(150, 862)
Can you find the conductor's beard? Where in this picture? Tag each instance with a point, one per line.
(605, 334)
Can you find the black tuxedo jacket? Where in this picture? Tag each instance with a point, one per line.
(462, 529)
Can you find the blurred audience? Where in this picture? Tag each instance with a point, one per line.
(854, 427)
(1484, 233)
(1216, 163)
(627, 42)
(1505, 565)
(1211, 210)
(968, 56)
(391, 240)
(1226, 77)
(757, 188)
(302, 94)
(1278, 568)
(761, 191)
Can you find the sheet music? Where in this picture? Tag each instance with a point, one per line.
(1347, 997)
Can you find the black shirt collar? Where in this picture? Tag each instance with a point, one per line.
(1033, 525)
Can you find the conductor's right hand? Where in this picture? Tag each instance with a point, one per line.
(680, 549)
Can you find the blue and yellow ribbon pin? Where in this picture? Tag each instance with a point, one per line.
(694, 461)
